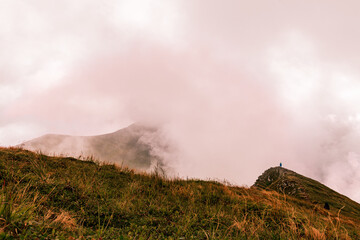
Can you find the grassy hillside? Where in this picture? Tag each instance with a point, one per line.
(126, 146)
(291, 183)
(65, 198)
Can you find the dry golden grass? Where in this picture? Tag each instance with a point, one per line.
(63, 219)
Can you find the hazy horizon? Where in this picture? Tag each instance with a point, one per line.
(235, 87)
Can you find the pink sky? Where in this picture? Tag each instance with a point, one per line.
(237, 86)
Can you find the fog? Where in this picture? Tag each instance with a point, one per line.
(234, 87)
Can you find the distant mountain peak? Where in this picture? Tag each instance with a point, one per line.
(128, 146)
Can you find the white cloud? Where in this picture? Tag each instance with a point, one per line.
(8, 93)
(157, 20)
(18, 132)
(297, 71)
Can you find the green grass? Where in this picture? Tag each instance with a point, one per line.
(50, 197)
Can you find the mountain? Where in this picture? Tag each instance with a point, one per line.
(129, 146)
(293, 184)
(45, 197)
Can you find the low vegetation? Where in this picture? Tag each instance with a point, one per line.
(63, 198)
(286, 181)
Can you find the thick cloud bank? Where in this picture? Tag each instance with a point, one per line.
(235, 87)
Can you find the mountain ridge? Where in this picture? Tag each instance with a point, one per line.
(126, 146)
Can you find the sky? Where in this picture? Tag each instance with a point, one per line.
(235, 86)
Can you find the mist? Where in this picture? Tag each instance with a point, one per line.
(234, 88)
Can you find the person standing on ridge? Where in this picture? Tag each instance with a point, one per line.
(280, 164)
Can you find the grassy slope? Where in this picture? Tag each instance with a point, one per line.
(124, 146)
(284, 180)
(51, 197)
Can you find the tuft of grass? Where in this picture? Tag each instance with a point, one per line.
(65, 198)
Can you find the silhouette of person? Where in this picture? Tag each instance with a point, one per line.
(280, 164)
